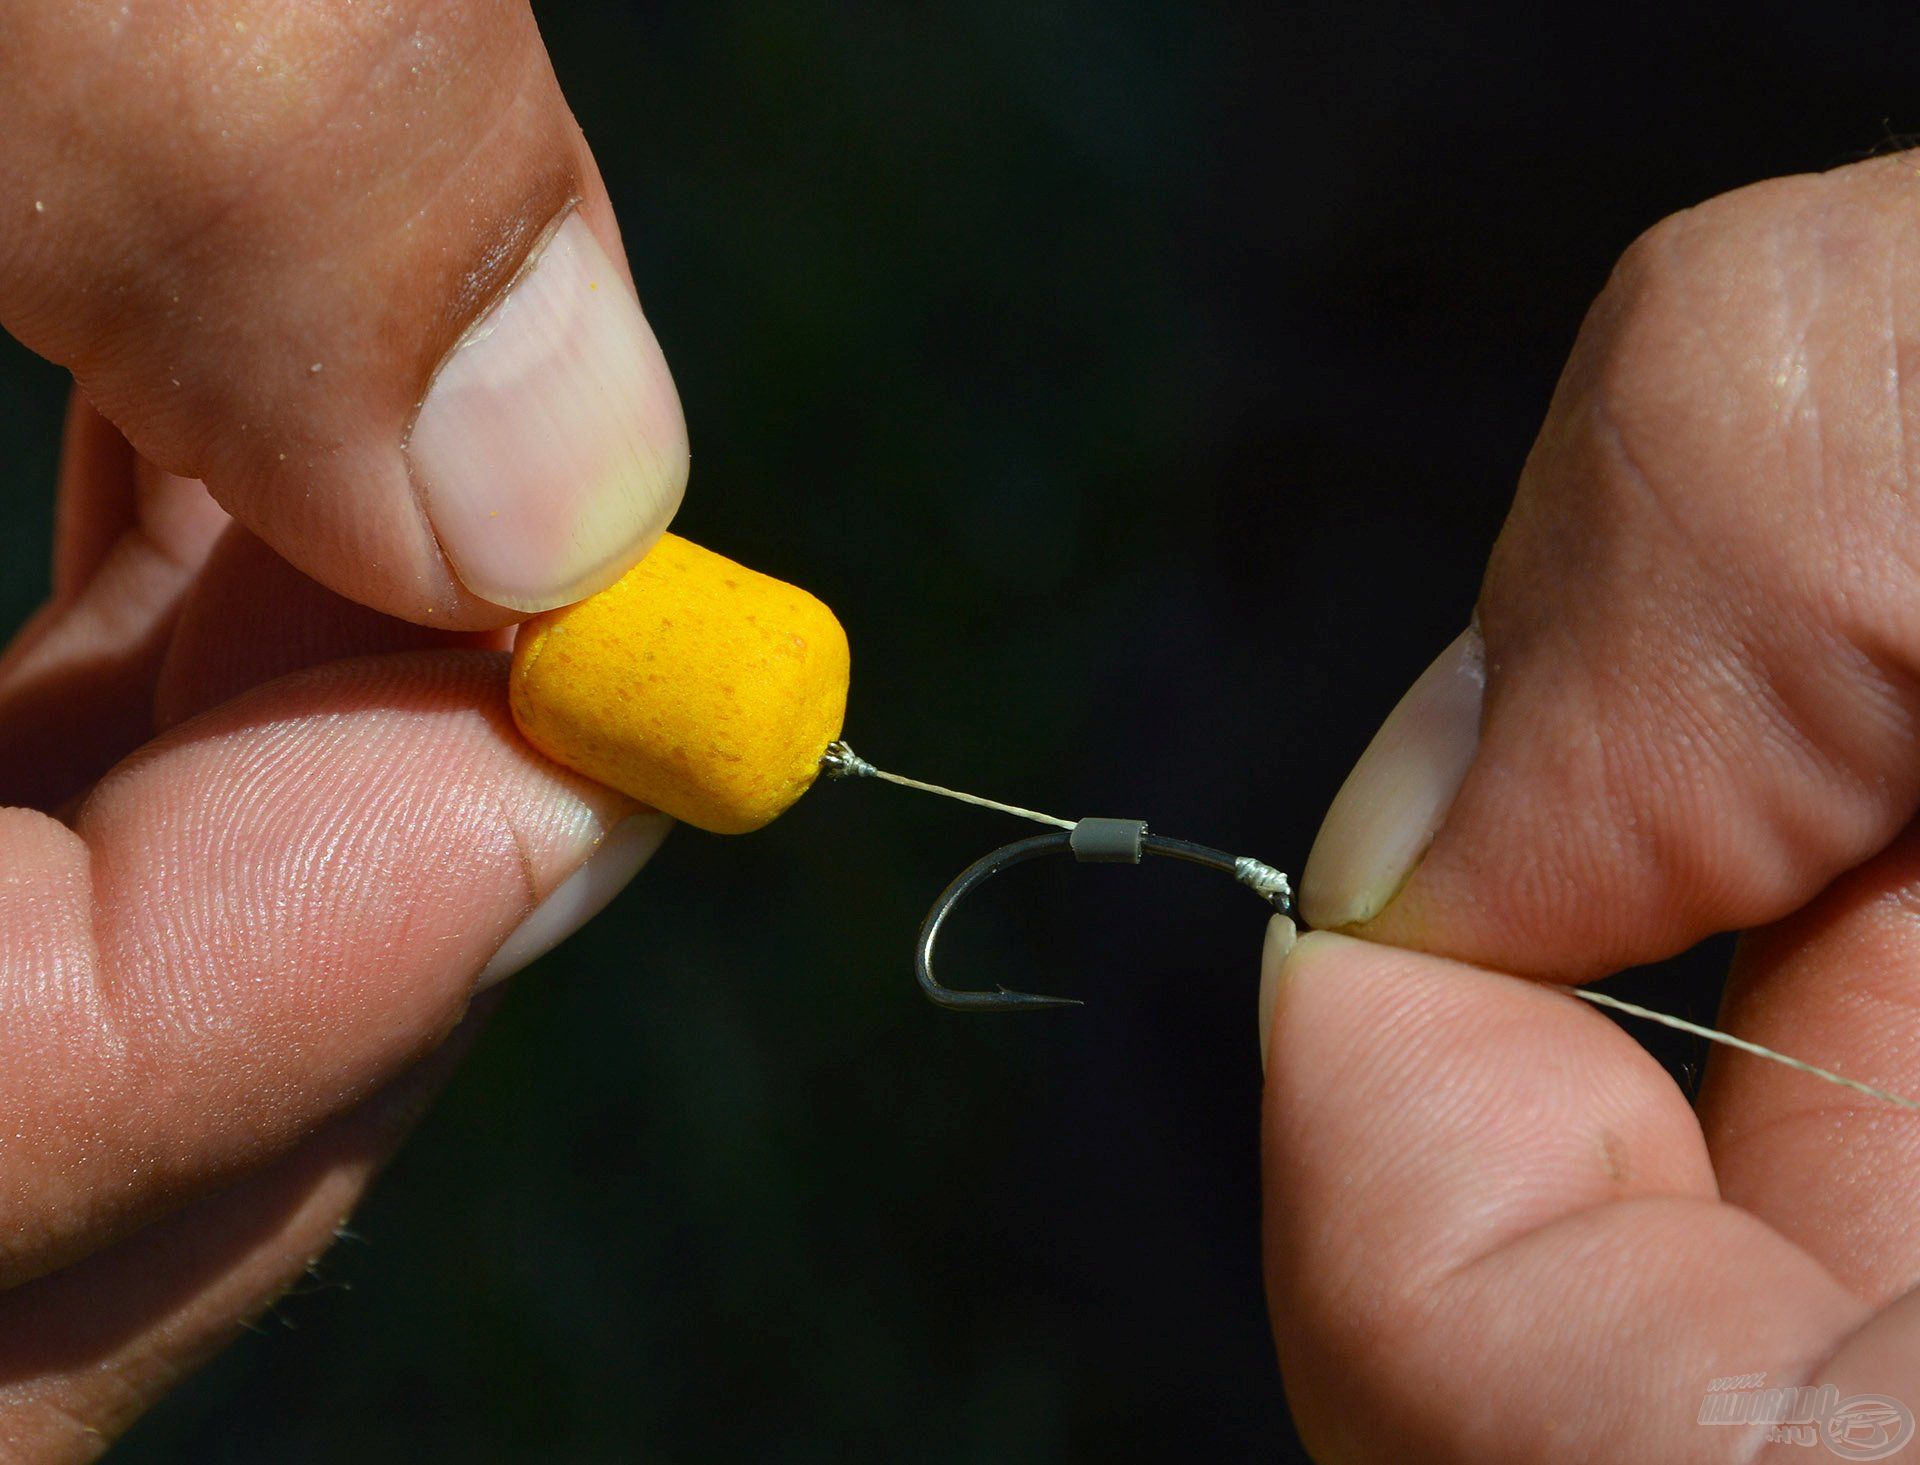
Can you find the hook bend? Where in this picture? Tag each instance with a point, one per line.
(1108, 841)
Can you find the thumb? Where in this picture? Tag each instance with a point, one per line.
(1690, 695)
(355, 269)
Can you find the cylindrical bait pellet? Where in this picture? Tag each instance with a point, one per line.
(694, 684)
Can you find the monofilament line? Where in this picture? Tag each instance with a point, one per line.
(842, 762)
(1714, 1035)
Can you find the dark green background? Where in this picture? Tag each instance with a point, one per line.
(1142, 384)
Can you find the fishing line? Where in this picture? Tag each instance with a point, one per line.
(1128, 841)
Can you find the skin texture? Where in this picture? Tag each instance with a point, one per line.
(207, 1063)
(256, 231)
(1495, 1230)
(264, 816)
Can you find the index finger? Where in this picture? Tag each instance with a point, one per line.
(257, 920)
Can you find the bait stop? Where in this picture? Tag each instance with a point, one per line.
(716, 694)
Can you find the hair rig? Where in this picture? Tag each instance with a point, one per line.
(745, 682)
(1126, 842)
(1089, 841)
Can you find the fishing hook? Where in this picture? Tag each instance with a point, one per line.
(1090, 841)
(1127, 841)
(1103, 841)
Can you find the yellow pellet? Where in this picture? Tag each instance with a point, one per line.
(696, 685)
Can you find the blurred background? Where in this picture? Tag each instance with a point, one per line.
(1143, 385)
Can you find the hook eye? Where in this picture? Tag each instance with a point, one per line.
(1107, 841)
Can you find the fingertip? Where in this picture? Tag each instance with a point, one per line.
(551, 450)
(1280, 938)
(422, 374)
(621, 854)
(1295, 963)
(1392, 804)
(1466, 1106)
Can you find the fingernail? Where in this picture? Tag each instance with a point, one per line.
(580, 897)
(550, 452)
(1273, 956)
(1392, 804)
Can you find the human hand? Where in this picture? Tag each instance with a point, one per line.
(259, 235)
(1495, 1229)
